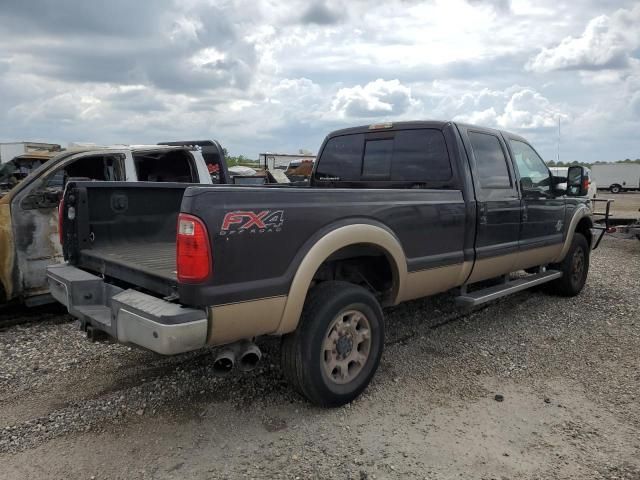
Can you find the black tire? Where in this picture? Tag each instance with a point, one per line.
(304, 356)
(615, 188)
(574, 268)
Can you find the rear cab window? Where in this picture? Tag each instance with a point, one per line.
(392, 159)
(165, 166)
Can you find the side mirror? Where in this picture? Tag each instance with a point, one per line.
(577, 182)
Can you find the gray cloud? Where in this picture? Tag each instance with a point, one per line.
(635, 104)
(499, 5)
(128, 43)
(320, 14)
(112, 18)
(137, 100)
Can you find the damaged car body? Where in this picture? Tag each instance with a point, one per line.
(29, 236)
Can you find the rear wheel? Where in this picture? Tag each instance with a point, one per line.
(574, 268)
(336, 349)
(615, 188)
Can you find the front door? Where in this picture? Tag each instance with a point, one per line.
(543, 213)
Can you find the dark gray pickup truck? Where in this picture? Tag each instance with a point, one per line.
(392, 212)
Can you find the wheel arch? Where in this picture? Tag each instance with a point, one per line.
(584, 227)
(335, 240)
(581, 222)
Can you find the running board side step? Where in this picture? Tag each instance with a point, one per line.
(471, 299)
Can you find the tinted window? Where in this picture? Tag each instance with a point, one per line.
(491, 163)
(420, 156)
(412, 156)
(341, 158)
(377, 158)
(534, 174)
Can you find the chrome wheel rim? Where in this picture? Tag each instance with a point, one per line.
(577, 265)
(346, 346)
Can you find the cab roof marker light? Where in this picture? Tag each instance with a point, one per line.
(378, 126)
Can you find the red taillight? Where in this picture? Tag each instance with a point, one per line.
(585, 183)
(60, 219)
(193, 252)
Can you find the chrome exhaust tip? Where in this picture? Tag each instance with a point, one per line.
(250, 356)
(224, 362)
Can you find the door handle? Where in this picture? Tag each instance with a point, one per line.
(483, 214)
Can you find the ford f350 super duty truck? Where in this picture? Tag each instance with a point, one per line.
(393, 212)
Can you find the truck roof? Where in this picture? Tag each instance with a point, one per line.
(133, 148)
(391, 126)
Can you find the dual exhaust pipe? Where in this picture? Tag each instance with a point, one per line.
(245, 355)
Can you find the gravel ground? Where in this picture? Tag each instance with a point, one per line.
(532, 386)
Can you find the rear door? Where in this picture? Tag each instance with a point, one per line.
(498, 203)
(543, 213)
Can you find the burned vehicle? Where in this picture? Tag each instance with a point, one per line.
(19, 168)
(29, 239)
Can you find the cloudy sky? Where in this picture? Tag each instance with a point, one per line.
(278, 75)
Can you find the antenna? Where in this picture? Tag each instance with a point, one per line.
(558, 152)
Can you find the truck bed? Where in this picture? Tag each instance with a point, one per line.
(130, 235)
(158, 258)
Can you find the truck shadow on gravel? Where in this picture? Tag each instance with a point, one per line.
(16, 314)
(403, 323)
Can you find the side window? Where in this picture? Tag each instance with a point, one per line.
(377, 159)
(491, 162)
(420, 156)
(100, 167)
(534, 174)
(341, 159)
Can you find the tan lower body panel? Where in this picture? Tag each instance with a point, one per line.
(434, 280)
(237, 321)
(496, 266)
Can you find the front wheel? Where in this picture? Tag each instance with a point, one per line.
(336, 349)
(615, 188)
(574, 268)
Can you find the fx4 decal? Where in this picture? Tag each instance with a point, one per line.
(242, 221)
